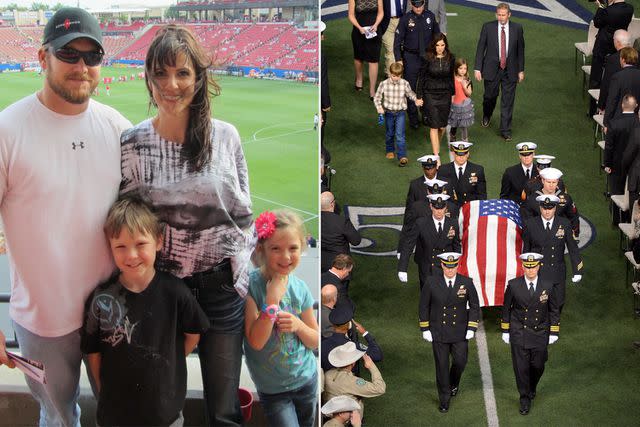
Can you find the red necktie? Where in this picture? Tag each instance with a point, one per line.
(503, 49)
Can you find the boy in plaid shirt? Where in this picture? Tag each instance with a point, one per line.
(395, 91)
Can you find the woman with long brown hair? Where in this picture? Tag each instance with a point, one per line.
(192, 170)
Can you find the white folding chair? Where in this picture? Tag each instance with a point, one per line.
(585, 48)
(586, 73)
(598, 126)
(620, 202)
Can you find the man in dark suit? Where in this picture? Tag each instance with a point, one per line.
(336, 232)
(466, 177)
(338, 275)
(631, 166)
(515, 178)
(530, 322)
(612, 65)
(616, 141)
(431, 236)
(447, 323)
(417, 188)
(611, 15)
(625, 81)
(565, 208)
(548, 235)
(500, 62)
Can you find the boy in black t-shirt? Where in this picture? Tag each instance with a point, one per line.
(139, 326)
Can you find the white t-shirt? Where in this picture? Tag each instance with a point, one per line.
(59, 175)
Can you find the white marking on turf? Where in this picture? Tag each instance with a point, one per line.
(487, 379)
(254, 137)
(313, 215)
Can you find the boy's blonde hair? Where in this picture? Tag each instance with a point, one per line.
(133, 214)
(396, 69)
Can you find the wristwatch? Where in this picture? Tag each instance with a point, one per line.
(271, 311)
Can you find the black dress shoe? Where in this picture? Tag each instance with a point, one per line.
(444, 408)
(507, 138)
(524, 408)
(485, 122)
(454, 391)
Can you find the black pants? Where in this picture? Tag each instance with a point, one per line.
(528, 366)
(507, 90)
(220, 348)
(412, 63)
(449, 376)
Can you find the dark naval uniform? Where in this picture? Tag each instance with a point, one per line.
(514, 182)
(429, 244)
(566, 208)
(529, 320)
(443, 311)
(535, 184)
(408, 48)
(418, 190)
(551, 245)
(472, 186)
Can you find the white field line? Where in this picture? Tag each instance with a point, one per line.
(487, 379)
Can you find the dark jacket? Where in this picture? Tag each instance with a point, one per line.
(488, 51)
(472, 186)
(337, 233)
(514, 181)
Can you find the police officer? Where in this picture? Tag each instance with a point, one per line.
(467, 178)
(342, 319)
(550, 177)
(548, 234)
(446, 322)
(542, 161)
(515, 178)
(342, 382)
(430, 235)
(530, 321)
(413, 34)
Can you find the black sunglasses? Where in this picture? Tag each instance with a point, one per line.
(72, 56)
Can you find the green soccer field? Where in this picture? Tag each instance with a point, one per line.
(274, 118)
(591, 377)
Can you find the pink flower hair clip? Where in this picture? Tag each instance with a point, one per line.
(265, 225)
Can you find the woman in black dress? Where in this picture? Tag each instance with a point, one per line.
(436, 87)
(366, 15)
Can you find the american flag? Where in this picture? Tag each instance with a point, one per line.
(491, 243)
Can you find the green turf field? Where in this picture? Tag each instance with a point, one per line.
(592, 376)
(274, 118)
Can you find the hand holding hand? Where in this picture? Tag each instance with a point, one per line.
(505, 337)
(470, 334)
(553, 338)
(419, 102)
(576, 278)
(288, 322)
(426, 335)
(402, 276)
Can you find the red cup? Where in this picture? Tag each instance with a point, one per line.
(246, 402)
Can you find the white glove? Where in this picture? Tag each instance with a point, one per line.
(398, 255)
(402, 276)
(505, 337)
(470, 334)
(427, 336)
(576, 278)
(553, 338)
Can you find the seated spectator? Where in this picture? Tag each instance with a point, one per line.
(343, 410)
(342, 381)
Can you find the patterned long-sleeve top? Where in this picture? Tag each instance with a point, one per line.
(395, 95)
(207, 213)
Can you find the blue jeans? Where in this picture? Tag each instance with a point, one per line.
(220, 348)
(61, 356)
(394, 124)
(295, 408)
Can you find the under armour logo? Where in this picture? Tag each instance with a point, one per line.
(75, 145)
